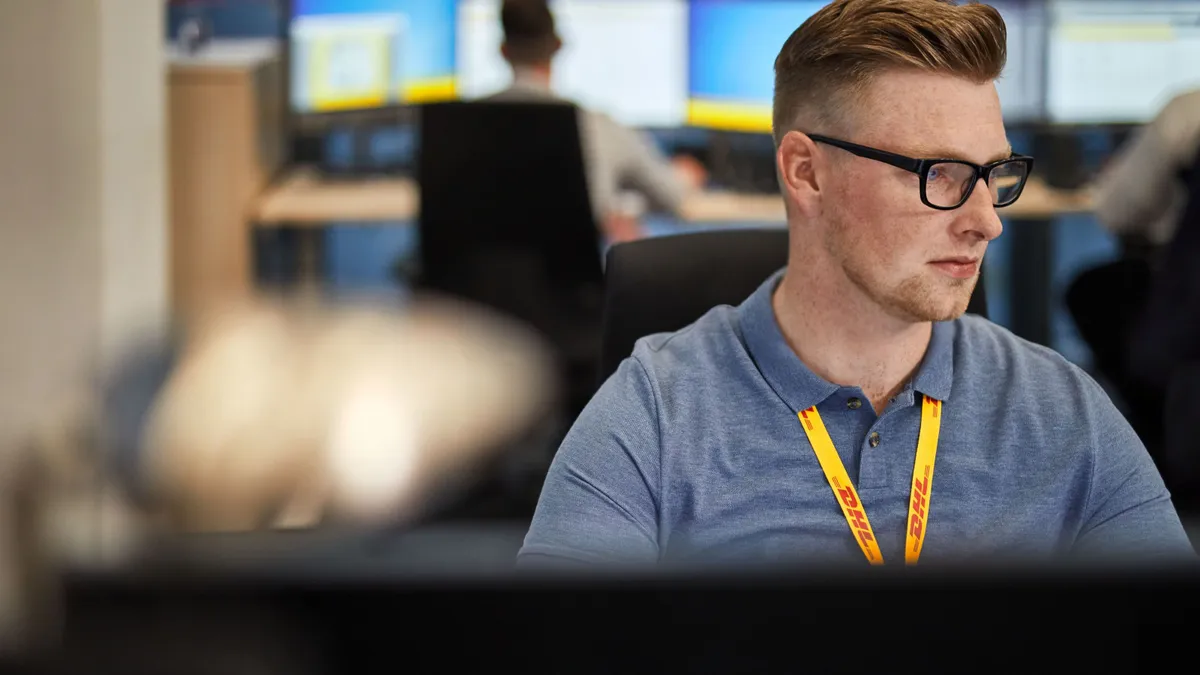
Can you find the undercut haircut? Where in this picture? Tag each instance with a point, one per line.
(826, 64)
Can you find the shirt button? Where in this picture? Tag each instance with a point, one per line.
(854, 403)
(873, 439)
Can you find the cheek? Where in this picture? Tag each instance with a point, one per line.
(869, 228)
(886, 224)
(877, 196)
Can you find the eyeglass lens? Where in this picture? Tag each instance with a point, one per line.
(947, 182)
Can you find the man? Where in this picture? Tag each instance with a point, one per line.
(615, 157)
(788, 427)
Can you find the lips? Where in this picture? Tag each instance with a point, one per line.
(958, 268)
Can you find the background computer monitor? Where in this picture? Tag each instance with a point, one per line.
(1118, 62)
(627, 58)
(733, 45)
(366, 54)
(1021, 86)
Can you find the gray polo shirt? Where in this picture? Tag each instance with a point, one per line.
(693, 451)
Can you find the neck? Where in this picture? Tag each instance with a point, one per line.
(845, 337)
(533, 74)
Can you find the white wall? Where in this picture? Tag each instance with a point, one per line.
(133, 169)
(82, 189)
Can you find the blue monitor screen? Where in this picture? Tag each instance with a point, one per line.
(361, 54)
(733, 45)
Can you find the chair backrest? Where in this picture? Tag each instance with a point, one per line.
(663, 284)
(1164, 348)
(505, 214)
(1168, 333)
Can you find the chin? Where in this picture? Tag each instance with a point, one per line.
(942, 304)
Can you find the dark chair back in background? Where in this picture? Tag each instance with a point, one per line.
(1164, 350)
(663, 284)
(504, 184)
(1061, 160)
(506, 221)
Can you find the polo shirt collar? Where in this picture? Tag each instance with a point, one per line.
(801, 388)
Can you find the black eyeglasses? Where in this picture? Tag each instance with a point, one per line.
(946, 184)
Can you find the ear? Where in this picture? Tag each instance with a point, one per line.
(796, 160)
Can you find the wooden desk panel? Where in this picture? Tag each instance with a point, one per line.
(226, 141)
(305, 199)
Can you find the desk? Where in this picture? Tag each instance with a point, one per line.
(306, 201)
(303, 198)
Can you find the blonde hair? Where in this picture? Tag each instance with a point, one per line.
(830, 58)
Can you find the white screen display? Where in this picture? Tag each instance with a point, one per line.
(1020, 85)
(627, 58)
(1112, 61)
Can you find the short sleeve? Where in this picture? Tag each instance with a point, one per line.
(599, 502)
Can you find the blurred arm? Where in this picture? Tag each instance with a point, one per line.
(644, 169)
(1140, 193)
(1136, 190)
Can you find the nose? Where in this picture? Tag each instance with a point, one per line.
(978, 218)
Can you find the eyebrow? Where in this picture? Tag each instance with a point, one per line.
(948, 154)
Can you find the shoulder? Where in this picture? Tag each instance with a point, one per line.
(517, 94)
(978, 338)
(982, 344)
(689, 359)
(606, 129)
(1024, 376)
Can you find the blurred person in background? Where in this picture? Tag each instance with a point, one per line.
(804, 424)
(1139, 197)
(616, 158)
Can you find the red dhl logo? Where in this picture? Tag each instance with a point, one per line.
(804, 416)
(935, 407)
(856, 517)
(920, 501)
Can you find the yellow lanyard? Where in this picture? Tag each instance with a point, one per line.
(847, 496)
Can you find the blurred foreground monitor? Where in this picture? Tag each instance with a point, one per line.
(852, 620)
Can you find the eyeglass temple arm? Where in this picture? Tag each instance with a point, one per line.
(898, 161)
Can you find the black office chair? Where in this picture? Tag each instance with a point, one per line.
(506, 221)
(1164, 353)
(662, 284)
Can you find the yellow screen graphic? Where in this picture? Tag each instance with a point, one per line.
(429, 90)
(350, 71)
(729, 116)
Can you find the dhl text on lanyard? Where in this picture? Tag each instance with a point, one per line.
(847, 496)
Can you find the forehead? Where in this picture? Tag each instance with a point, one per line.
(932, 115)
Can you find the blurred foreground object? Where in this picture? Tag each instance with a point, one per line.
(290, 413)
(272, 413)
